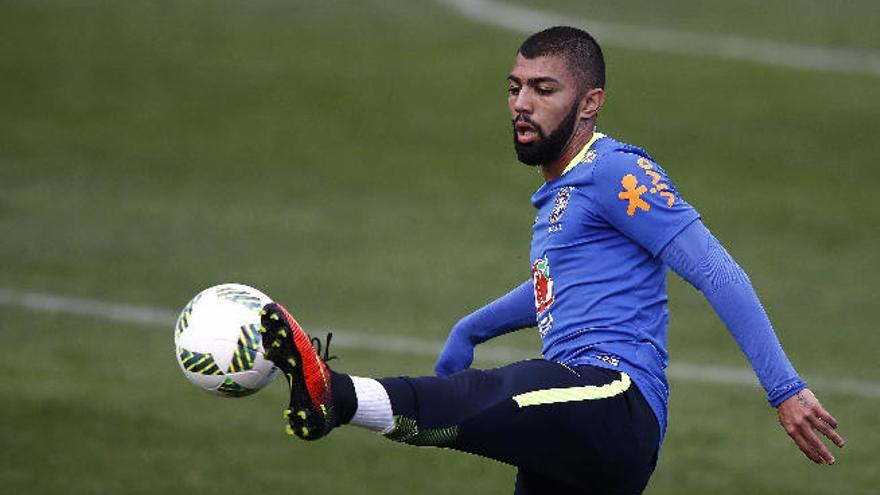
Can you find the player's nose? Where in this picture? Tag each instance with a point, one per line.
(523, 102)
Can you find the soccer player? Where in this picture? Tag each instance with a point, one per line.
(590, 416)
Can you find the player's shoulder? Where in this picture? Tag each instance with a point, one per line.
(628, 175)
(609, 159)
(617, 157)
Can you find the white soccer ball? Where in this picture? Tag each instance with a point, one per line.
(218, 343)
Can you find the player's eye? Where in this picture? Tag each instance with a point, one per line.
(544, 91)
(513, 90)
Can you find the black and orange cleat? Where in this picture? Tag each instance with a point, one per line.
(285, 343)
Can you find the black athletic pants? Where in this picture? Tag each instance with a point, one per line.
(577, 429)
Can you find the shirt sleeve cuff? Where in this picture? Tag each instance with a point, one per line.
(780, 394)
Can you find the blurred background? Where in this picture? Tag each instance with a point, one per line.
(353, 160)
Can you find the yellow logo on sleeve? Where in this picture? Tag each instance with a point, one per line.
(633, 193)
(655, 181)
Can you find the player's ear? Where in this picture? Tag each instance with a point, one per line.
(591, 102)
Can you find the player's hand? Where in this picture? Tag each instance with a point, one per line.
(800, 415)
(457, 353)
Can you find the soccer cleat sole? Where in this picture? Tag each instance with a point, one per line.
(306, 419)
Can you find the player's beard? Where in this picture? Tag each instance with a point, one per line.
(546, 149)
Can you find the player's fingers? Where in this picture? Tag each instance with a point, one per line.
(826, 417)
(829, 431)
(818, 448)
(808, 450)
(803, 444)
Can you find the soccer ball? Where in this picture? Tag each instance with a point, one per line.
(218, 343)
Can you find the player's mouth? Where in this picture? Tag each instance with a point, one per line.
(525, 132)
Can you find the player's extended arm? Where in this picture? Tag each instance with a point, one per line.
(700, 259)
(513, 311)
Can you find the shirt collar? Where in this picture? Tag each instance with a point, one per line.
(583, 152)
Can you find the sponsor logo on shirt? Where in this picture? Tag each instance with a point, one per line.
(633, 191)
(542, 284)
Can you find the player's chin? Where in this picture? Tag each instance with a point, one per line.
(528, 153)
(526, 157)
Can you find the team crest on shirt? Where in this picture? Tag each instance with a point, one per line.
(561, 203)
(542, 284)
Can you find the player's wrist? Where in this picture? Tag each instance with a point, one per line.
(781, 394)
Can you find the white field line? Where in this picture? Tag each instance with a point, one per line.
(663, 40)
(493, 353)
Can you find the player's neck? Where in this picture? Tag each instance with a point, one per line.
(579, 138)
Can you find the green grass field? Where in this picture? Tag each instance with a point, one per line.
(353, 160)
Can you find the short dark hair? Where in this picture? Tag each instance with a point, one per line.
(580, 50)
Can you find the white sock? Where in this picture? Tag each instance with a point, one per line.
(373, 406)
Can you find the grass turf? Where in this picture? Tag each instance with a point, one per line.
(353, 160)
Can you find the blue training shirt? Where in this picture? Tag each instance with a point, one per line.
(599, 287)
